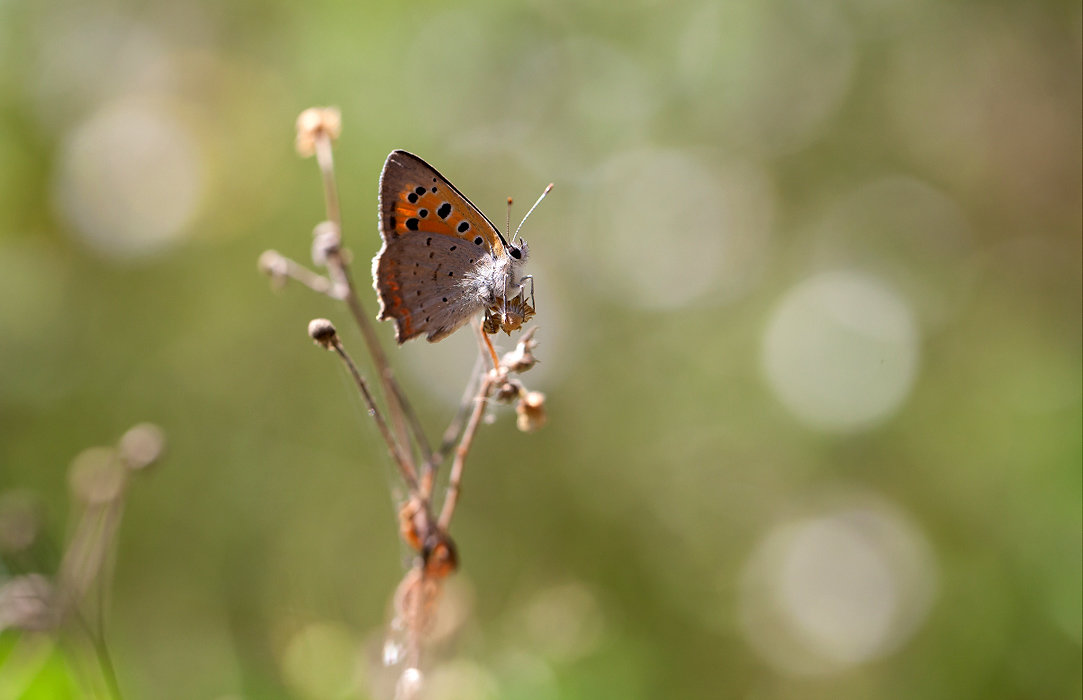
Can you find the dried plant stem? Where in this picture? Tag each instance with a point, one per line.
(327, 171)
(417, 596)
(409, 475)
(451, 433)
(454, 487)
(490, 348)
(316, 282)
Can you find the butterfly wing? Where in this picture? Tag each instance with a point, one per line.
(425, 284)
(416, 199)
(433, 237)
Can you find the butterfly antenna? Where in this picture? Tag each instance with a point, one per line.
(547, 190)
(508, 226)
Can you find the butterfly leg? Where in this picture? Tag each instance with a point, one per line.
(504, 300)
(490, 323)
(522, 287)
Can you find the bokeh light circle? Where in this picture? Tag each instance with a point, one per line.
(825, 593)
(670, 230)
(841, 351)
(130, 178)
(322, 660)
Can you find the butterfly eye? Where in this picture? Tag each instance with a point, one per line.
(514, 252)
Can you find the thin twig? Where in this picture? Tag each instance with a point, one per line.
(454, 485)
(314, 281)
(409, 475)
(327, 170)
(490, 348)
(454, 428)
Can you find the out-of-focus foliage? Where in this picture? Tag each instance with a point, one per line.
(809, 299)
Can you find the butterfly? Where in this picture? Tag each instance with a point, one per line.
(442, 261)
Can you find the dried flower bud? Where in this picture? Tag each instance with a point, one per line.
(439, 554)
(96, 476)
(141, 446)
(508, 390)
(410, 684)
(26, 603)
(323, 332)
(326, 241)
(315, 123)
(531, 411)
(522, 357)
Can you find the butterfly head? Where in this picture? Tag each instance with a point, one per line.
(518, 253)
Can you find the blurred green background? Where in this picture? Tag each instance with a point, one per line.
(809, 304)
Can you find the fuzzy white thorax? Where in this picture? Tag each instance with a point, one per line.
(495, 277)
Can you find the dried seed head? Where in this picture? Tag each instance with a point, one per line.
(522, 357)
(26, 603)
(315, 123)
(323, 332)
(509, 390)
(531, 411)
(439, 554)
(141, 446)
(96, 476)
(326, 241)
(272, 264)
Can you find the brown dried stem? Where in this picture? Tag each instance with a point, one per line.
(453, 430)
(409, 475)
(481, 401)
(454, 486)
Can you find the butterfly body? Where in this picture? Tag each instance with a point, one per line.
(442, 261)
